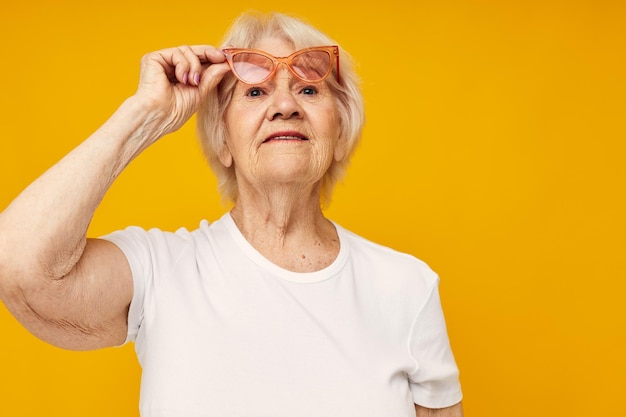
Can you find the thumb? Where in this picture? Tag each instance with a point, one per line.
(212, 75)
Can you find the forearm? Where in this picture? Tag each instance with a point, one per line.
(454, 411)
(43, 230)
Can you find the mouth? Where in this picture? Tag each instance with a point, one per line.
(286, 136)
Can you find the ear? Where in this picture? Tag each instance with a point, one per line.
(226, 158)
(341, 148)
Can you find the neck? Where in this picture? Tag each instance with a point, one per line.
(279, 213)
(288, 227)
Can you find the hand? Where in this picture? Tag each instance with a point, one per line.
(175, 81)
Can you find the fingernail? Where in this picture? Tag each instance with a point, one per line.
(196, 78)
(185, 78)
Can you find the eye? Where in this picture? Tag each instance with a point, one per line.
(309, 90)
(254, 92)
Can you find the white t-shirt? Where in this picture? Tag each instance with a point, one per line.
(220, 331)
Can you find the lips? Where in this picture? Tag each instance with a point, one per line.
(290, 135)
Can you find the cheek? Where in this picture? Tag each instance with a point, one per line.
(242, 127)
(241, 124)
(332, 126)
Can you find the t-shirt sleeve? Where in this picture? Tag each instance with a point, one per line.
(135, 244)
(434, 382)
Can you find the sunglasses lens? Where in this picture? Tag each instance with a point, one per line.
(254, 68)
(251, 68)
(312, 65)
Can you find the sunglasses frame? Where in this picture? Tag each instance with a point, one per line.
(332, 50)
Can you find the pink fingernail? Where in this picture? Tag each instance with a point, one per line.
(185, 78)
(196, 78)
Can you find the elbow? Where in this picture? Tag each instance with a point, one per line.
(9, 282)
(26, 269)
(27, 291)
(43, 311)
(21, 289)
(18, 280)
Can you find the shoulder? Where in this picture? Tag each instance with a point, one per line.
(387, 263)
(155, 247)
(156, 237)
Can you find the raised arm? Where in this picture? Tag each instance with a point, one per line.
(454, 411)
(66, 289)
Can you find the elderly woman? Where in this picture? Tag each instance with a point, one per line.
(272, 310)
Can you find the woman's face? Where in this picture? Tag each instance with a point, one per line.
(283, 131)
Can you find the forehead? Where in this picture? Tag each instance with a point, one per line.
(275, 46)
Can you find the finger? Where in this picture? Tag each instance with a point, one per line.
(187, 65)
(169, 61)
(156, 63)
(184, 64)
(190, 61)
(212, 75)
(199, 57)
(208, 54)
(177, 63)
(213, 66)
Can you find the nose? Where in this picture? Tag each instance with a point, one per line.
(283, 104)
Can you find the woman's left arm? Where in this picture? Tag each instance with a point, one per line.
(454, 411)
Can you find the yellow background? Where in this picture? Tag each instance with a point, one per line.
(494, 150)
